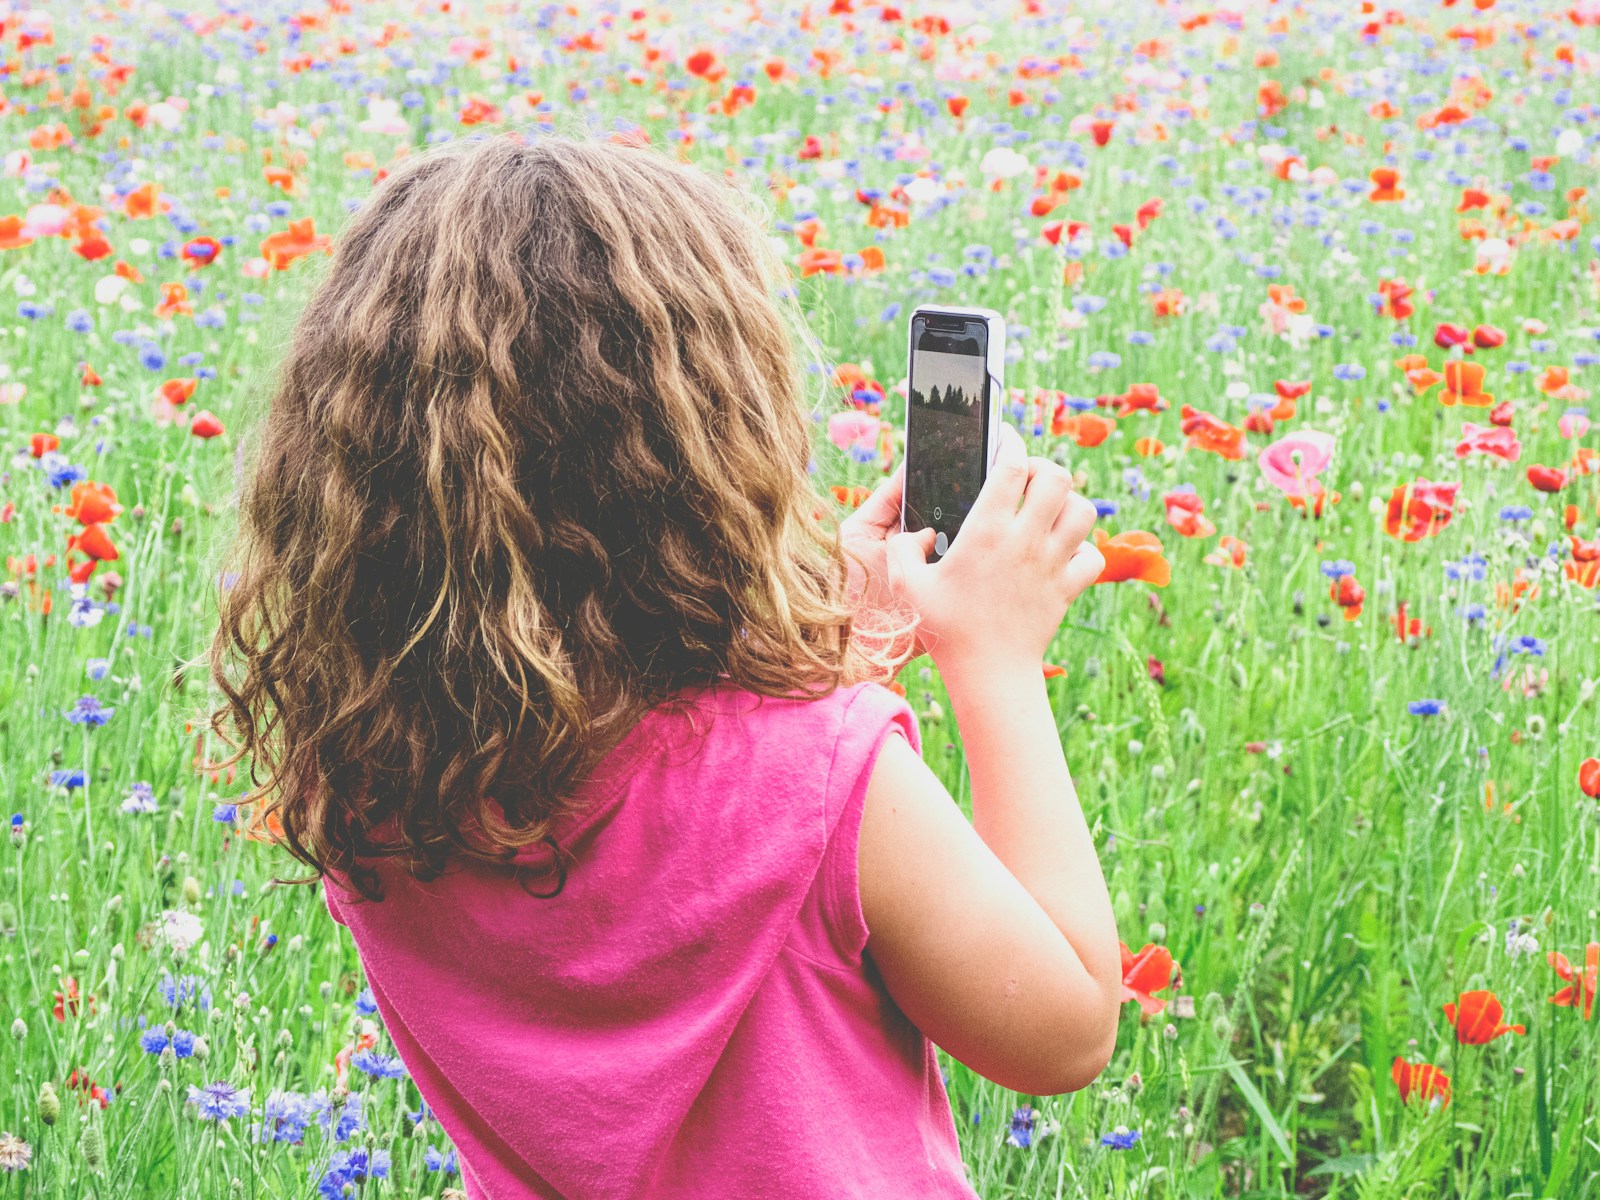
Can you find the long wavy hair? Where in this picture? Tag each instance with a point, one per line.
(536, 461)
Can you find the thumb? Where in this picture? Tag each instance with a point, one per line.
(907, 556)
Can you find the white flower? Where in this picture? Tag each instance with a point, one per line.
(1002, 162)
(383, 116)
(178, 930)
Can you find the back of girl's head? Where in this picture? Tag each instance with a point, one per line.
(536, 460)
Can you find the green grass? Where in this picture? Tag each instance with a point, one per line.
(1324, 897)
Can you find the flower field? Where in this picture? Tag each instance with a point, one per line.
(1308, 296)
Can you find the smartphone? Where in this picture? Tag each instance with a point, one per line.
(953, 390)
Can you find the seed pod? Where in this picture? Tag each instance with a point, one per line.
(92, 1145)
(49, 1104)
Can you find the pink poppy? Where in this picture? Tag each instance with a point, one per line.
(1574, 423)
(1498, 440)
(853, 430)
(1292, 463)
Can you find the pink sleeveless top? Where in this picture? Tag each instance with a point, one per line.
(692, 1015)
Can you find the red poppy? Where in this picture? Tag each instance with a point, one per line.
(1184, 511)
(176, 391)
(1580, 988)
(1420, 509)
(201, 251)
(95, 542)
(1487, 337)
(1150, 970)
(1477, 1018)
(1446, 335)
(1422, 1080)
(205, 425)
(1349, 595)
(1589, 778)
(1100, 131)
(957, 105)
(1502, 414)
(92, 248)
(41, 444)
(68, 1001)
(1206, 431)
(174, 301)
(1547, 479)
(1408, 626)
(1396, 299)
(90, 377)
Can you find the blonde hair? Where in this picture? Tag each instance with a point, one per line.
(537, 460)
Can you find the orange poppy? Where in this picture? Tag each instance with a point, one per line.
(1185, 514)
(11, 235)
(1150, 970)
(1086, 429)
(1419, 510)
(1580, 987)
(1144, 397)
(1463, 381)
(1386, 185)
(1205, 431)
(1589, 778)
(1134, 555)
(300, 239)
(1422, 1080)
(1476, 1018)
(814, 262)
(1232, 553)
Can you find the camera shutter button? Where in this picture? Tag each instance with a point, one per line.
(941, 543)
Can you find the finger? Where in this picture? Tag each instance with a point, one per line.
(1083, 568)
(907, 554)
(998, 497)
(1075, 521)
(881, 510)
(1049, 488)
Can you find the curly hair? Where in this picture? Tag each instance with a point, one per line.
(536, 460)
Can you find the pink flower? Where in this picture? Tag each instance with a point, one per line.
(46, 220)
(853, 430)
(1498, 440)
(1292, 463)
(1574, 423)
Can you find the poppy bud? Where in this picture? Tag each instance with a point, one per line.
(49, 1105)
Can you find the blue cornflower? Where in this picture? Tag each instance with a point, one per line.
(1120, 1138)
(1349, 371)
(154, 1040)
(79, 321)
(89, 711)
(379, 1066)
(1105, 508)
(1021, 1134)
(97, 668)
(422, 1114)
(1525, 644)
(1425, 708)
(61, 473)
(183, 1043)
(152, 357)
(444, 1161)
(284, 1118)
(141, 798)
(347, 1123)
(68, 779)
(179, 991)
(220, 1100)
(1105, 360)
(890, 312)
(1338, 569)
(365, 1004)
(225, 814)
(1474, 612)
(347, 1169)
(1516, 512)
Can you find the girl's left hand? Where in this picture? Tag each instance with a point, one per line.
(864, 534)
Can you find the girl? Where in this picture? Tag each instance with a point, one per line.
(560, 685)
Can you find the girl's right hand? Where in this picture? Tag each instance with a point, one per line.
(997, 598)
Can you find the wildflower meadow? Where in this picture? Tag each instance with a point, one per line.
(1307, 295)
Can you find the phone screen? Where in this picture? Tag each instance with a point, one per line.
(947, 422)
